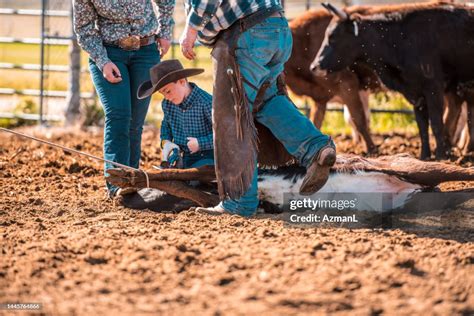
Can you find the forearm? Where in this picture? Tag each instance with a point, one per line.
(85, 16)
(165, 133)
(206, 142)
(165, 18)
(200, 13)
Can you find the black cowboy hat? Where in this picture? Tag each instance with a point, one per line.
(163, 73)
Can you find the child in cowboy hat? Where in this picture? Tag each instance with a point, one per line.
(187, 121)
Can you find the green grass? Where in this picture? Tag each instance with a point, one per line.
(379, 122)
(58, 55)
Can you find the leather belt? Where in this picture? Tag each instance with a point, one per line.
(253, 19)
(132, 42)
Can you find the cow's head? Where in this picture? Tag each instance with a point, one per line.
(340, 46)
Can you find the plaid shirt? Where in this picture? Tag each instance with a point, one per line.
(210, 17)
(191, 118)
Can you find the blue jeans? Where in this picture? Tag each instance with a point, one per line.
(201, 158)
(124, 113)
(261, 54)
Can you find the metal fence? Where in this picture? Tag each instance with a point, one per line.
(45, 40)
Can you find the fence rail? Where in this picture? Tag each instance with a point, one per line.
(56, 40)
(29, 12)
(46, 93)
(54, 68)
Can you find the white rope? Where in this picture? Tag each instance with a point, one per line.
(77, 152)
(147, 179)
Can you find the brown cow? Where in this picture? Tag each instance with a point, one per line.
(308, 33)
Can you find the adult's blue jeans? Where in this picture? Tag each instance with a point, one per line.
(261, 54)
(124, 113)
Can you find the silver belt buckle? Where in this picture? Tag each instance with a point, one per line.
(131, 42)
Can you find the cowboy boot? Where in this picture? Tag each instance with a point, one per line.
(317, 173)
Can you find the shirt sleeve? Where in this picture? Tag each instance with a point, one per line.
(207, 142)
(88, 37)
(165, 18)
(165, 131)
(201, 12)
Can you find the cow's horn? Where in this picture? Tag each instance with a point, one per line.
(338, 12)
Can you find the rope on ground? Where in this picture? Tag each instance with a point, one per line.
(76, 152)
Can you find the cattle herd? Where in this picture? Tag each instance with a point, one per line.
(422, 50)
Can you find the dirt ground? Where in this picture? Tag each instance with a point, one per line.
(65, 245)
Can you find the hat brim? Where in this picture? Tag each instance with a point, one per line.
(147, 88)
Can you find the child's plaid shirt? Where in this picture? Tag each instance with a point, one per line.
(191, 118)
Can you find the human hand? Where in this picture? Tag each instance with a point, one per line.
(163, 45)
(167, 149)
(111, 73)
(187, 40)
(193, 144)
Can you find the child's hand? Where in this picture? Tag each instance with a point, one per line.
(167, 149)
(193, 144)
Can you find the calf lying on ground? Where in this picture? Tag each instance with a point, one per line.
(400, 175)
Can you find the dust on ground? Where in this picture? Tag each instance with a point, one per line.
(65, 245)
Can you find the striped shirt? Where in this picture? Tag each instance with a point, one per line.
(209, 17)
(191, 118)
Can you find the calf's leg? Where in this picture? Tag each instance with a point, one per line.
(167, 180)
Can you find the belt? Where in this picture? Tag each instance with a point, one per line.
(253, 19)
(132, 42)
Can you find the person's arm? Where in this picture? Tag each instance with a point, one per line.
(165, 131)
(165, 24)
(200, 13)
(88, 37)
(165, 18)
(207, 142)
